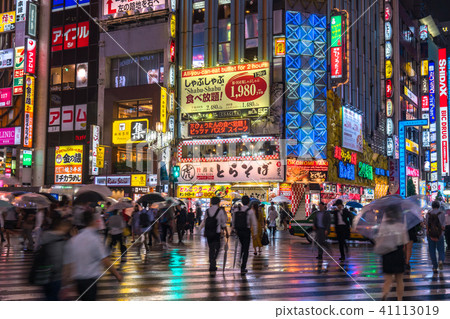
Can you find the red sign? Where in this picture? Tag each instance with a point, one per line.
(443, 110)
(6, 97)
(172, 51)
(345, 156)
(73, 36)
(336, 62)
(425, 103)
(219, 127)
(414, 172)
(30, 66)
(320, 166)
(389, 88)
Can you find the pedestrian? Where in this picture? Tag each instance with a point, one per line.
(244, 220)
(165, 221)
(181, 220)
(342, 224)
(257, 245)
(144, 227)
(134, 223)
(10, 224)
(272, 219)
(27, 223)
(84, 265)
(198, 214)
(51, 249)
(412, 235)
(435, 222)
(314, 208)
(191, 221)
(321, 225)
(447, 228)
(215, 224)
(393, 231)
(2, 227)
(116, 225)
(153, 230)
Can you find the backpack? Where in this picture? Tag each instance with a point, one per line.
(144, 220)
(211, 224)
(240, 220)
(434, 226)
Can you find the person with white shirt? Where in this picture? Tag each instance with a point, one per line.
(272, 218)
(116, 224)
(244, 222)
(215, 222)
(85, 258)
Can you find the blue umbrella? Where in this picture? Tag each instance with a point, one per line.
(354, 204)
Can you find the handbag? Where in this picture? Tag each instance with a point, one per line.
(265, 238)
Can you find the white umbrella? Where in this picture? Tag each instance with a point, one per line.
(120, 206)
(100, 189)
(281, 199)
(31, 201)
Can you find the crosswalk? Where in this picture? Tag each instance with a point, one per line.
(286, 270)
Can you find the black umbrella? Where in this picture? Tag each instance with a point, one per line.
(151, 198)
(88, 197)
(50, 197)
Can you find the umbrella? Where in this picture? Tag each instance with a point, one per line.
(354, 205)
(125, 199)
(151, 198)
(5, 204)
(368, 222)
(111, 200)
(18, 193)
(100, 189)
(280, 199)
(120, 206)
(9, 197)
(88, 197)
(31, 200)
(50, 197)
(225, 255)
(9, 180)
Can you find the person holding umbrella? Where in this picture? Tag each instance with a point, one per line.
(214, 223)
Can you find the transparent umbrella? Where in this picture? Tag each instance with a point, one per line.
(31, 200)
(100, 189)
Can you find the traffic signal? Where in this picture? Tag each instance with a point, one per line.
(176, 172)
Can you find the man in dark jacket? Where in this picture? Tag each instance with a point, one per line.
(322, 222)
(342, 224)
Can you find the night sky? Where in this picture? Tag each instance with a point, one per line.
(440, 9)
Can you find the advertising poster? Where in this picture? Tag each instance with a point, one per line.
(202, 191)
(232, 171)
(219, 127)
(31, 57)
(29, 111)
(71, 37)
(19, 65)
(117, 6)
(352, 130)
(226, 88)
(6, 97)
(306, 171)
(443, 111)
(94, 148)
(69, 164)
(6, 58)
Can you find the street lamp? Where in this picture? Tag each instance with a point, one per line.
(159, 127)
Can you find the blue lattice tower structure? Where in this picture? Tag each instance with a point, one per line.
(306, 76)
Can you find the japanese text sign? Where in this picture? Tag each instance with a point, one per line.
(29, 111)
(7, 21)
(203, 191)
(19, 65)
(10, 135)
(225, 88)
(69, 164)
(116, 6)
(219, 127)
(6, 97)
(129, 131)
(72, 36)
(6, 58)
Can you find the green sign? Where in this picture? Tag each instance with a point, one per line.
(336, 31)
(32, 19)
(27, 158)
(365, 171)
(18, 82)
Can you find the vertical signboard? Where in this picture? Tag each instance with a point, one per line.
(95, 133)
(21, 10)
(30, 66)
(443, 111)
(69, 164)
(432, 107)
(338, 50)
(19, 64)
(29, 111)
(163, 111)
(31, 28)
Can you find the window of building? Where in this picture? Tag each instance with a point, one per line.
(136, 159)
(139, 70)
(251, 30)
(134, 109)
(55, 79)
(198, 34)
(68, 77)
(224, 33)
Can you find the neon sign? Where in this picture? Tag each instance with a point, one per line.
(365, 171)
(345, 156)
(346, 171)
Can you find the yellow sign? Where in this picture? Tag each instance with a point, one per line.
(69, 164)
(7, 21)
(29, 111)
(163, 112)
(205, 191)
(279, 46)
(434, 167)
(129, 131)
(100, 157)
(424, 68)
(388, 69)
(139, 180)
(173, 26)
(412, 147)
